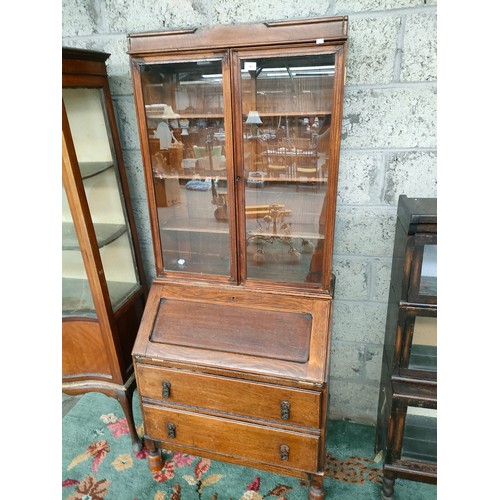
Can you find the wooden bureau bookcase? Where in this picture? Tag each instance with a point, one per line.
(242, 124)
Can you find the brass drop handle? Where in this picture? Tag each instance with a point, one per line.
(284, 452)
(285, 410)
(171, 430)
(165, 391)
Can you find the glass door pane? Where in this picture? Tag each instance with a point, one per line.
(428, 276)
(99, 173)
(76, 296)
(423, 350)
(286, 103)
(184, 108)
(420, 435)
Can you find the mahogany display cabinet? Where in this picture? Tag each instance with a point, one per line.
(103, 296)
(407, 413)
(240, 131)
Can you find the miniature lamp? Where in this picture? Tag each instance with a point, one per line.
(253, 119)
(169, 113)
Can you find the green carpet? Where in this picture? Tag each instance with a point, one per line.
(98, 463)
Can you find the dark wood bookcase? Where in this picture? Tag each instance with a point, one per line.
(407, 412)
(240, 131)
(103, 295)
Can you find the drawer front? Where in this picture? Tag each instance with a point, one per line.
(231, 438)
(240, 397)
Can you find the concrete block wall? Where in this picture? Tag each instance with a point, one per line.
(388, 145)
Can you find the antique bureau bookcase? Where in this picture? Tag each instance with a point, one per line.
(407, 417)
(103, 295)
(240, 130)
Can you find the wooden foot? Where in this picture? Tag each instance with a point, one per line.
(316, 491)
(155, 459)
(387, 488)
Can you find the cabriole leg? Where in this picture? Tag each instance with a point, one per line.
(125, 400)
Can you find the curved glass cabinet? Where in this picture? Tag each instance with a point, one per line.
(102, 278)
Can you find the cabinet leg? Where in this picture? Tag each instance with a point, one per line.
(155, 459)
(316, 491)
(125, 400)
(122, 393)
(387, 488)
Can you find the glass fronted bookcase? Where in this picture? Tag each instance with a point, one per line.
(240, 135)
(407, 410)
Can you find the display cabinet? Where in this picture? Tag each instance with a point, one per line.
(407, 413)
(240, 131)
(103, 295)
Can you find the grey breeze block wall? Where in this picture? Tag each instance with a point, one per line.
(388, 145)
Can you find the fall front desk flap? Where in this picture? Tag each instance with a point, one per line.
(243, 330)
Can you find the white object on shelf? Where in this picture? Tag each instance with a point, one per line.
(163, 133)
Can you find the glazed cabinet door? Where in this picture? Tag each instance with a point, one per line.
(288, 118)
(92, 182)
(240, 151)
(423, 275)
(420, 435)
(413, 434)
(77, 297)
(418, 330)
(185, 105)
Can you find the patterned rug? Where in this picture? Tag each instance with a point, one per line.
(98, 463)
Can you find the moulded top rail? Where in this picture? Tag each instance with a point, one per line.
(318, 30)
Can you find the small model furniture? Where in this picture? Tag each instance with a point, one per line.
(407, 411)
(103, 294)
(232, 356)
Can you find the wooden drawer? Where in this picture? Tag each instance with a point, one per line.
(232, 438)
(239, 397)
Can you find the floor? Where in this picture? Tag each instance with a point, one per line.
(351, 469)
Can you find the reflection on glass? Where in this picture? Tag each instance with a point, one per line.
(89, 131)
(428, 277)
(286, 126)
(185, 116)
(423, 354)
(420, 435)
(76, 297)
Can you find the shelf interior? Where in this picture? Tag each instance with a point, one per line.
(90, 168)
(420, 435)
(77, 299)
(423, 357)
(105, 234)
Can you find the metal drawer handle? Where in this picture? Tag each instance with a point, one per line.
(285, 410)
(165, 389)
(284, 451)
(171, 430)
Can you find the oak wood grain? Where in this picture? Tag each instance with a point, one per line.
(230, 395)
(262, 333)
(252, 441)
